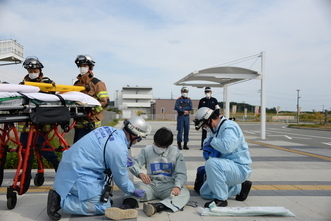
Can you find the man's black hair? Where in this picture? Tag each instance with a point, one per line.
(214, 115)
(163, 137)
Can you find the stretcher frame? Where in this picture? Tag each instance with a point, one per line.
(15, 114)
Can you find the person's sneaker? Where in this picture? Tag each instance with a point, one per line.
(116, 213)
(149, 209)
(220, 203)
(245, 188)
(53, 205)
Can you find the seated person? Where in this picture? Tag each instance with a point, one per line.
(166, 175)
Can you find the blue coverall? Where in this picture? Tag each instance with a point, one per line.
(183, 120)
(80, 178)
(226, 173)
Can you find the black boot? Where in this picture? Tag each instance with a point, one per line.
(53, 205)
(221, 203)
(152, 208)
(185, 146)
(245, 188)
(55, 165)
(179, 145)
(129, 203)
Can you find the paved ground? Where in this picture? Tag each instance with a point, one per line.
(283, 176)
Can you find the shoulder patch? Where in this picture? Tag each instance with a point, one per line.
(95, 80)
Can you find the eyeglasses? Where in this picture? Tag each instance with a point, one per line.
(139, 139)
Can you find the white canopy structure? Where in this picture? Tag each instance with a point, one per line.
(224, 76)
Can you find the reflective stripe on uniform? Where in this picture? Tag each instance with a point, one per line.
(98, 109)
(84, 123)
(24, 128)
(102, 94)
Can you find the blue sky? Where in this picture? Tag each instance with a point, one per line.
(156, 43)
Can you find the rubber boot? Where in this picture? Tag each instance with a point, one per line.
(53, 205)
(185, 146)
(129, 203)
(245, 188)
(116, 213)
(151, 208)
(179, 144)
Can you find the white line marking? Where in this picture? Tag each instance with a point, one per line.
(298, 134)
(248, 132)
(326, 143)
(290, 138)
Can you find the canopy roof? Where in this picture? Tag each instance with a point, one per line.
(219, 76)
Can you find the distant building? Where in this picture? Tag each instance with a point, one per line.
(163, 109)
(138, 101)
(11, 52)
(134, 101)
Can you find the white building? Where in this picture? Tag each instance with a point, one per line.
(134, 101)
(11, 52)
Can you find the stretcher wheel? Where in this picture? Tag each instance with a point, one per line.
(66, 128)
(11, 198)
(39, 179)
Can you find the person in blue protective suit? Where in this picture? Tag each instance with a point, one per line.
(166, 175)
(227, 159)
(82, 182)
(183, 106)
(210, 102)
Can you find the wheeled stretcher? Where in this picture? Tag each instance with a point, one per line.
(23, 103)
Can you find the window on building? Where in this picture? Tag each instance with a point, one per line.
(162, 110)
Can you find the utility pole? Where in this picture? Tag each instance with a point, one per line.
(298, 106)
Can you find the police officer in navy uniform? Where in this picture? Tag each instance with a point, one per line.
(183, 107)
(210, 102)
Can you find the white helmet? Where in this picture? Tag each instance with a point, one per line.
(184, 89)
(137, 126)
(202, 116)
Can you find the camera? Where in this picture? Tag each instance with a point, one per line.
(107, 192)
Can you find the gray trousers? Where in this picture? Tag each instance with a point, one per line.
(162, 190)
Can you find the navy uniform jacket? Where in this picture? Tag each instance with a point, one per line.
(183, 104)
(210, 103)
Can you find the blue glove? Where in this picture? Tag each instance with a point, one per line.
(210, 152)
(139, 193)
(129, 162)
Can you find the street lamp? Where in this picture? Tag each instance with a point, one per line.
(298, 106)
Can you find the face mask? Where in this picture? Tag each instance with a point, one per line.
(184, 94)
(158, 150)
(208, 95)
(83, 70)
(33, 75)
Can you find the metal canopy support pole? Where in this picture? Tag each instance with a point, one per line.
(227, 102)
(263, 98)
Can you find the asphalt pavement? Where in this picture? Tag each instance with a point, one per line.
(287, 174)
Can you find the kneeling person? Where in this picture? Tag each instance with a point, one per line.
(166, 175)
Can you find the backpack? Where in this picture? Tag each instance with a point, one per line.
(200, 178)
